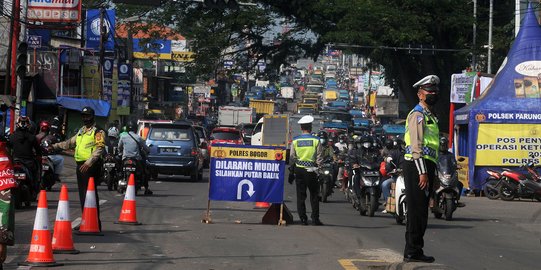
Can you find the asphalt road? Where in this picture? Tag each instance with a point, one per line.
(484, 235)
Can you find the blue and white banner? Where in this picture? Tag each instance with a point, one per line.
(108, 65)
(93, 29)
(124, 89)
(152, 46)
(245, 173)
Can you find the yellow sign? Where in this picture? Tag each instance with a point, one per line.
(373, 99)
(183, 56)
(247, 153)
(143, 55)
(508, 144)
(463, 171)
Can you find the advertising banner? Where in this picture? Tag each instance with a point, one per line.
(245, 173)
(461, 86)
(93, 29)
(508, 144)
(55, 11)
(124, 89)
(107, 94)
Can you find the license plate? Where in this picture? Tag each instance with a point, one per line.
(110, 165)
(129, 169)
(169, 150)
(371, 173)
(45, 167)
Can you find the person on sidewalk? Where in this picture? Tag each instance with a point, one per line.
(89, 143)
(419, 166)
(305, 151)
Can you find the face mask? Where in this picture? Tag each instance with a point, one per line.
(431, 99)
(88, 121)
(341, 141)
(366, 145)
(359, 145)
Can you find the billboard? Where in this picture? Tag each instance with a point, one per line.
(54, 11)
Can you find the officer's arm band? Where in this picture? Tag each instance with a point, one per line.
(421, 166)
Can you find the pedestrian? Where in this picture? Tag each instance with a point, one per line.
(7, 211)
(89, 143)
(305, 151)
(419, 166)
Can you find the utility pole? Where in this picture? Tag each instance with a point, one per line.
(16, 11)
(103, 39)
(517, 17)
(491, 14)
(474, 41)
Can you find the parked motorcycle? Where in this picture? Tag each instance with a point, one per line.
(26, 191)
(111, 170)
(518, 185)
(367, 188)
(48, 178)
(492, 184)
(445, 199)
(325, 179)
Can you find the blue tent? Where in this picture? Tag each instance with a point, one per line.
(502, 128)
(101, 107)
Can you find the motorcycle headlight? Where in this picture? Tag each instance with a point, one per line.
(326, 172)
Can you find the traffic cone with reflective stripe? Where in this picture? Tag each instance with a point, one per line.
(128, 214)
(62, 236)
(41, 252)
(262, 205)
(89, 221)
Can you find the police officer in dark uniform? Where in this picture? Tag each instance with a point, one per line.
(89, 143)
(419, 166)
(306, 149)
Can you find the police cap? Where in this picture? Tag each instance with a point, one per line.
(307, 119)
(88, 111)
(428, 83)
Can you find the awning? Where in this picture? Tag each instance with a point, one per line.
(100, 107)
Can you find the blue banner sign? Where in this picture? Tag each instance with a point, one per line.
(247, 173)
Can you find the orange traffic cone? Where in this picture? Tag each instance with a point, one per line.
(41, 252)
(62, 237)
(262, 205)
(89, 221)
(128, 214)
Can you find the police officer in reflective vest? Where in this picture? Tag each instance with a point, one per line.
(89, 143)
(305, 151)
(419, 167)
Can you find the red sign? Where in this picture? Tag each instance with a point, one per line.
(57, 11)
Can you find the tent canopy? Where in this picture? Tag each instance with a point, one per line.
(100, 107)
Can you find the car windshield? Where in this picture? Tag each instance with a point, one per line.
(170, 134)
(306, 111)
(329, 116)
(226, 135)
(310, 101)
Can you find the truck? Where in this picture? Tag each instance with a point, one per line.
(231, 116)
(262, 106)
(287, 92)
(272, 130)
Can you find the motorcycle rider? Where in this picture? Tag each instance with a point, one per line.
(133, 146)
(444, 151)
(112, 138)
(342, 147)
(393, 160)
(327, 150)
(25, 148)
(54, 136)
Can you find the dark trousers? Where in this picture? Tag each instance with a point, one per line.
(82, 184)
(306, 180)
(417, 203)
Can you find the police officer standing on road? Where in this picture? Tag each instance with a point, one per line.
(89, 143)
(419, 167)
(305, 151)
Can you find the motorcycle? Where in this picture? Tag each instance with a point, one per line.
(492, 184)
(26, 190)
(325, 179)
(129, 166)
(445, 199)
(111, 167)
(367, 188)
(518, 185)
(401, 209)
(48, 178)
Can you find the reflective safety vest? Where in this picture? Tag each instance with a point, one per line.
(305, 149)
(85, 144)
(431, 136)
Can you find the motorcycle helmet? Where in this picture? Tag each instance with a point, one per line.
(44, 126)
(323, 137)
(113, 132)
(389, 143)
(132, 126)
(444, 144)
(23, 122)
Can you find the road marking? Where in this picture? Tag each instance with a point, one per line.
(102, 202)
(76, 223)
(348, 264)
